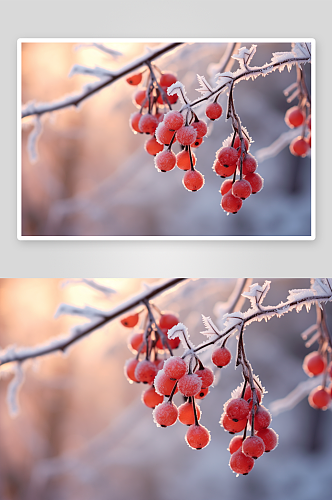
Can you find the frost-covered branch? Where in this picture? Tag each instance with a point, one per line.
(90, 89)
(62, 343)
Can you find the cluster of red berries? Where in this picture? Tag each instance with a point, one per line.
(296, 117)
(315, 363)
(243, 412)
(232, 159)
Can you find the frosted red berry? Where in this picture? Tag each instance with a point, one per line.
(165, 160)
(148, 124)
(226, 186)
(163, 135)
(237, 144)
(270, 438)
(201, 128)
(151, 398)
(237, 409)
(134, 122)
(136, 342)
(167, 321)
(253, 446)
(241, 189)
(175, 367)
(183, 160)
(256, 182)
(163, 384)
(197, 437)
(193, 180)
(207, 377)
(130, 321)
(146, 371)
(167, 79)
(213, 111)
(140, 97)
(186, 135)
(235, 443)
(173, 343)
(262, 418)
(240, 463)
(299, 147)
(231, 203)
(134, 79)
(186, 413)
(319, 398)
(202, 393)
(294, 117)
(314, 364)
(153, 147)
(130, 367)
(227, 156)
(190, 384)
(249, 164)
(221, 356)
(197, 142)
(223, 171)
(230, 426)
(165, 414)
(173, 120)
(248, 394)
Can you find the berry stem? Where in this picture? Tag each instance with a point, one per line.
(195, 412)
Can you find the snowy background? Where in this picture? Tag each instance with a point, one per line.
(93, 177)
(83, 432)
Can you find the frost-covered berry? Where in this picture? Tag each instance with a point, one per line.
(186, 135)
(299, 147)
(237, 144)
(197, 437)
(202, 393)
(165, 160)
(253, 446)
(165, 414)
(134, 122)
(223, 171)
(294, 117)
(237, 409)
(241, 189)
(193, 180)
(139, 97)
(230, 426)
(167, 79)
(235, 443)
(226, 186)
(207, 377)
(173, 120)
(270, 438)
(248, 394)
(227, 156)
(146, 371)
(221, 356)
(240, 463)
(163, 135)
(163, 384)
(130, 367)
(231, 203)
(256, 182)
(175, 367)
(314, 364)
(148, 124)
(213, 111)
(201, 128)
(183, 160)
(153, 147)
(151, 398)
(190, 384)
(186, 413)
(173, 343)
(197, 142)
(130, 321)
(135, 342)
(319, 398)
(168, 320)
(262, 418)
(249, 164)
(134, 79)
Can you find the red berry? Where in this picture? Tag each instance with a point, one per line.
(222, 170)
(168, 320)
(314, 364)
(146, 371)
(249, 164)
(190, 384)
(256, 182)
(148, 124)
(202, 393)
(186, 135)
(139, 97)
(270, 438)
(227, 156)
(135, 342)
(221, 356)
(213, 111)
(299, 147)
(183, 160)
(165, 414)
(165, 160)
(186, 413)
(226, 186)
(172, 99)
(173, 120)
(237, 144)
(175, 367)
(153, 147)
(248, 394)
(130, 321)
(130, 368)
(230, 426)
(193, 180)
(197, 437)
(163, 384)
(242, 189)
(197, 142)
(207, 377)
(230, 203)
(240, 463)
(167, 79)
(151, 398)
(134, 79)
(294, 117)
(163, 135)
(134, 121)
(201, 128)
(319, 398)
(237, 409)
(173, 343)
(235, 443)
(253, 446)
(262, 418)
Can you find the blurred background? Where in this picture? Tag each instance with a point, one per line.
(82, 431)
(94, 178)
